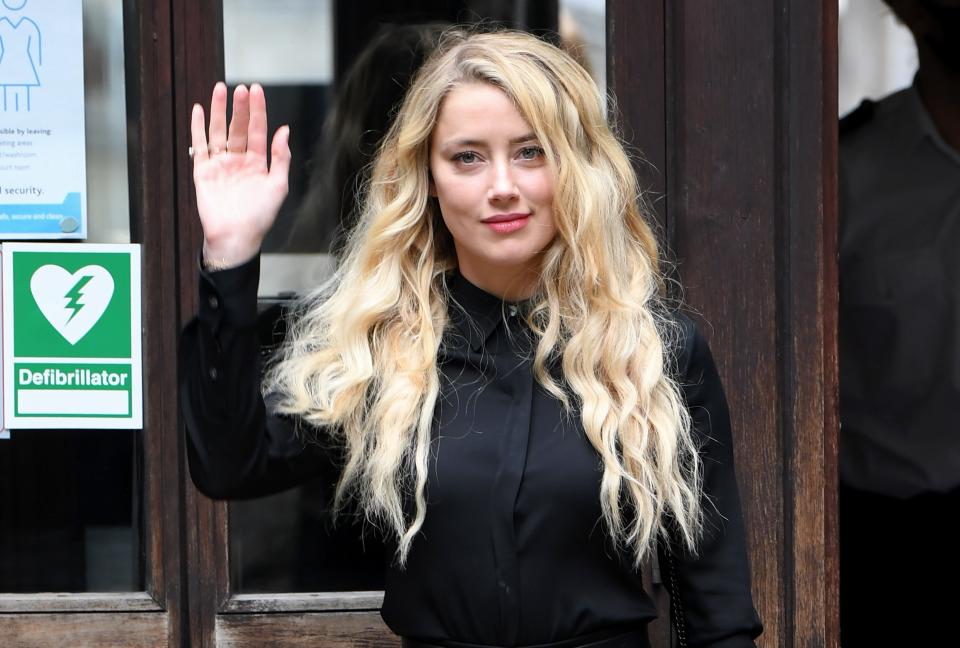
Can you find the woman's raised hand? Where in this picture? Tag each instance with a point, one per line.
(238, 197)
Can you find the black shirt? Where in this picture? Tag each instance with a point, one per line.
(513, 550)
(899, 339)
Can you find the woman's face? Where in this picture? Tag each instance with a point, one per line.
(494, 187)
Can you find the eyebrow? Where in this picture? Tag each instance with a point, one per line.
(529, 137)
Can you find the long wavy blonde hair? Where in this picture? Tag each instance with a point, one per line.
(361, 356)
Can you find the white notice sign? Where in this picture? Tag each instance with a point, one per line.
(42, 155)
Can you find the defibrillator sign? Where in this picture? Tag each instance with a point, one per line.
(71, 336)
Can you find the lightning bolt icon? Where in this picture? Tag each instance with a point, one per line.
(75, 293)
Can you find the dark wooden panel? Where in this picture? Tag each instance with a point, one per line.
(829, 589)
(636, 75)
(735, 105)
(352, 630)
(801, 330)
(722, 178)
(197, 47)
(830, 275)
(808, 322)
(151, 180)
(102, 630)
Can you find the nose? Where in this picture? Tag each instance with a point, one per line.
(503, 187)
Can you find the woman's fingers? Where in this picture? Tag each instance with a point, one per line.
(280, 156)
(198, 135)
(239, 121)
(247, 131)
(218, 119)
(257, 132)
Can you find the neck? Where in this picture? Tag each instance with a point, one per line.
(939, 89)
(509, 284)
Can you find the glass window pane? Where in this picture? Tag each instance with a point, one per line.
(335, 78)
(108, 204)
(285, 543)
(68, 514)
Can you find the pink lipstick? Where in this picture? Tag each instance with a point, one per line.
(506, 223)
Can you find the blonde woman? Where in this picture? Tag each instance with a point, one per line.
(491, 376)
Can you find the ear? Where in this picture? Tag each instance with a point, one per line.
(433, 186)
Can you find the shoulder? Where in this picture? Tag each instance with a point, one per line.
(857, 118)
(877, 147)
(689, 350)
(698, 378)
(886, 120)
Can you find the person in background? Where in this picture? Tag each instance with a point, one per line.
(900, 348)
(365, 106)
(491, 377)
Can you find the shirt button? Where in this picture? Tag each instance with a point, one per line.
(213, 301)
(513, 310)
(214, 374)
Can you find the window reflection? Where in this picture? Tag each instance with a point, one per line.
(335, 72)
(68, 511)
(108, 203)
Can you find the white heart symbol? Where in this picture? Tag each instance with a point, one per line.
(72, 303)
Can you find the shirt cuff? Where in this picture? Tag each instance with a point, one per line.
(229, 295)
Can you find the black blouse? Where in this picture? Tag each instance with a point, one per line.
(513, 551)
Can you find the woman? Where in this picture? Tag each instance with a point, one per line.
(491, 376)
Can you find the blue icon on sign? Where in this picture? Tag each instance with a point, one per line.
(20, 55)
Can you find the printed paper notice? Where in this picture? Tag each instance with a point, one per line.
(42, 156)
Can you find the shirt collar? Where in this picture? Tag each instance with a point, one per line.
(475, 312)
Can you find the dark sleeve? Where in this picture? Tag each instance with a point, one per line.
(236, 447)
(712, 605)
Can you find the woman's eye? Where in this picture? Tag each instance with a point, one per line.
(466, 157)
(530, 152)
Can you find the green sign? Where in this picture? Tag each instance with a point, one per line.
(71, 336)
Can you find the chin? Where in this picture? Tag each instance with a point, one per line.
(513, 260)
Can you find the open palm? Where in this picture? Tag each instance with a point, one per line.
(238, 196)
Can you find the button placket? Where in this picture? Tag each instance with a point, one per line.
(506, 485)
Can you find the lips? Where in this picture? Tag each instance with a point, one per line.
(507, 223)
(503, 218)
